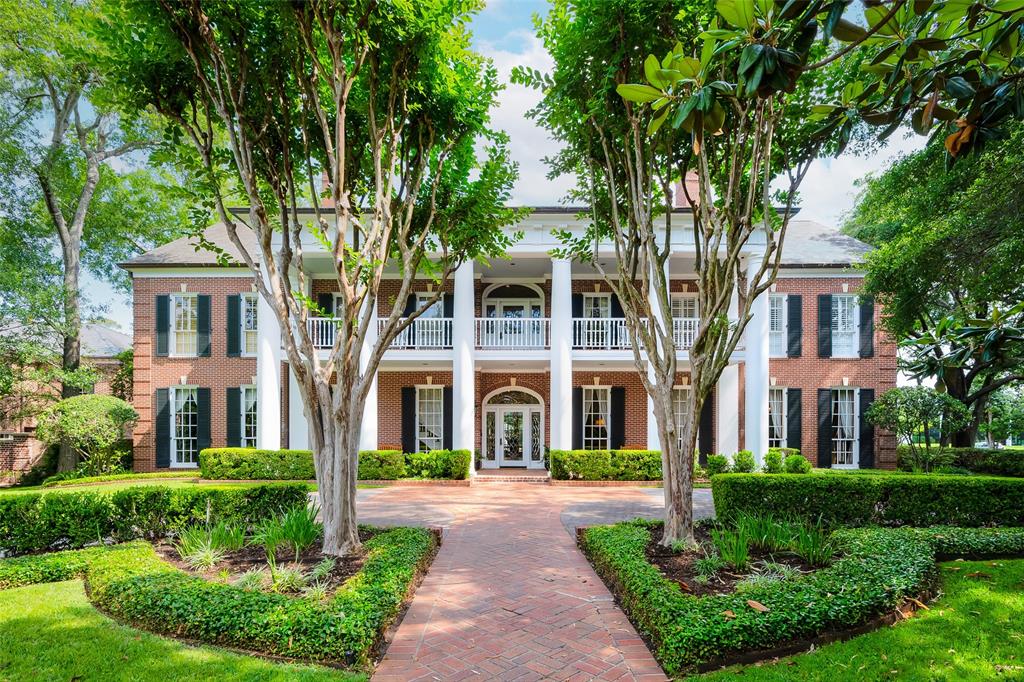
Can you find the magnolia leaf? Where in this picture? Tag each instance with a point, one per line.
(637, 93)
(656, 122)
(848, 32)
(874, 15)
(757, 606)
(688, 66)
(729, 615)
(651, 68)
(958, 87)
(739, 13)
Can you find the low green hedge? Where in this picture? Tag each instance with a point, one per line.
(606, 465)
(133, 584)
(32, 522)
(855, 499)
(63, 482)
(1002, 462)
(878, 569)
(282, 465)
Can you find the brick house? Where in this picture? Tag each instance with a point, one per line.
(524, 354)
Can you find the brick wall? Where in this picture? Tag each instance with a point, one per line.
(217, 372)
(636, 400)
(19, 452)
(389, 401)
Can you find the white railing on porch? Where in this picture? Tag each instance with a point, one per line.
(425, 333)
(321, 331)
(512, 333)
(597, 333)
(684, 331)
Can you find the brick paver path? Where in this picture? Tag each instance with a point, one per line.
(509, 596)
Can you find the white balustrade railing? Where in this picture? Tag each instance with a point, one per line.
(424, 333)
(684, 331)
(597, 333)
(321, 331)
(512, 333)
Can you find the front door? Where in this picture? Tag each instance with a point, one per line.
(513, 438)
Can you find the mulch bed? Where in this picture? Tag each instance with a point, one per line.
(679, 566)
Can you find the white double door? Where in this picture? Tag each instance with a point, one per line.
(513, 437)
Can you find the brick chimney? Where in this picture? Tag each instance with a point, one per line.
(692, 187)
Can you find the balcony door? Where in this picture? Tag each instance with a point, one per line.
(513, 313)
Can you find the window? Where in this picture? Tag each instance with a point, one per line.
(844, 427)
(597, 306)
(429, 418)
(249, 324)
(184, 324)
(680, 408)
(777, 345)
(248, 416)
(596, 418)
(777, 417)
(844, 326)
(684, 307)
(436, 309)
(184, 426)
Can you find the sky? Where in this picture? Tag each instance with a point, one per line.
(503, 31)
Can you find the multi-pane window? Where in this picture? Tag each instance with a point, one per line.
(249, 323)
(596, 418)
(680, 409)
(777, 325)
(844, 325)
(777, 418)
(844, 427)
(184, 324)
(684, 307)
(429, 418)
(248, 416)
(184, 426)
(597, 306)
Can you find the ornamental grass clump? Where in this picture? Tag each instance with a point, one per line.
(814, 545)
(299, 528)
(270, 536)
(197, 549)
(733, 546)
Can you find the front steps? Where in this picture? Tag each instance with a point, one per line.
(493, 476)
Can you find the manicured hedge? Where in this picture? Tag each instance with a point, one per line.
(878, 569)
(133, 584)
(60, 520)
(279, 465)
(606, 465)
(1004, 462)
(855, 499)
(64, 482)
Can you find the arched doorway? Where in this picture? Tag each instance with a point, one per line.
(513, 428)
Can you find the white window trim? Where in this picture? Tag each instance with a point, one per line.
(856, 427)
(685, 296)
(422, 297)
(855, 351)
(607, 417)
(241, 415)
(603, 296)
(784, 332)
(242, 298)
(784, 441)
(172, 333)
(675, 415)
(435, 387)
(174, 464)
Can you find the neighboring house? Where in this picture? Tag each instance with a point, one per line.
(536, 346)
(19, 449)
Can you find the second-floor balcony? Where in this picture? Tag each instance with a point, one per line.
(512, 333)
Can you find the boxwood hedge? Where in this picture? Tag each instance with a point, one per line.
(993, 462)
(32, 522)
(277, 465)
(606, 465)
(133, 584)
(879, 568)
(855, 499)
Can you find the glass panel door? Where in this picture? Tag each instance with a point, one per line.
(512, 437)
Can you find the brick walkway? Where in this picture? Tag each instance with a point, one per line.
(509, 596)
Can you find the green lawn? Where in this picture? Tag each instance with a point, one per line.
(974, 632)
(52, 632)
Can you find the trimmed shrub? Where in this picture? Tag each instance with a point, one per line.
(797, 464)
(854, 499)
(249, 464)
(441, 464)
(773, 462)
(606, 465)
(717, 464)
(743, 462)
(877, 570)
(381, 465)
(54, 482)
(134, 585)
(40, 521)
(1004, 462)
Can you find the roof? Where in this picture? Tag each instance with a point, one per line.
(103, 342)
(808, 245)
(186, 251)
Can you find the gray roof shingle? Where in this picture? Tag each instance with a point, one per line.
(186, 252)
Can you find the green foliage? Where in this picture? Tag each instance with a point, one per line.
(909, 411)
(197, 549)
(606, 465)
(708, 565)
(287, 579)
(856, 499)
(61, 481)
(270, 535)
(92, 424)
(381, 465)
(765, 532)
(40, 521)
(441, 464)
(1004, 415)
(717, 464)
(322, 569)
(773, 462)
(797, 464)
(733, 546)
(252, 464)
(743, 462)
(131, 583)
(813, 544)
(1004, 462)
(300, 529)
(876, 570)
(121, 384)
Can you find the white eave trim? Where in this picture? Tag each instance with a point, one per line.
(215, 271)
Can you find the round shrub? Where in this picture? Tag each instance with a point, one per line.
(717, 464)
(94, 425)
(743, 462)
(797, 464)
(773, 462)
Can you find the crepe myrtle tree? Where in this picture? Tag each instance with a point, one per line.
(370, 111)
(745, 103)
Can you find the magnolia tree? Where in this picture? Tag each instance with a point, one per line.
(370, 112)
(913, 413)
(743, 97)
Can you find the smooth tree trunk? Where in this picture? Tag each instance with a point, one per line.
(677, 472)
(71, 357)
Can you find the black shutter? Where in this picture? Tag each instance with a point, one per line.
(867, 328)
(577, 418)
(448, 303)
(203, 326)
(203, 414)
(825, 428)
(325, 302)
(448, 411)
(824, 325)
(794, 418)
(706, 430)
(867, 430)
(163, 324)
(617, 407)
(234, 326)
(410, 305)
(162, 430)
(577, 312)
(794, 325)
(234, 423)
(616, 307)
(409, 418)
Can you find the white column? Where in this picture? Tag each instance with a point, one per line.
(298, 426)
(728, 397)
(368, 428)
(268, 377)
(756, 371)
(561, 354)
(464, 419)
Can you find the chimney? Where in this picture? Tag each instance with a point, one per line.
(326, 201)
(692, 187)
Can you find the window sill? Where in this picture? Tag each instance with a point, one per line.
(184, 466)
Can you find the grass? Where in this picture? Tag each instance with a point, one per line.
(974, 632)
(118, 485)
(52, 632)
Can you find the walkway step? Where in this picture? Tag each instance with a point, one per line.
(540, 480)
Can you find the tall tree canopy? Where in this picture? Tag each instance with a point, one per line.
(384, 102)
